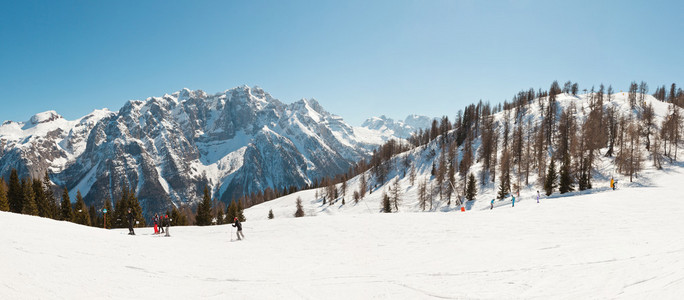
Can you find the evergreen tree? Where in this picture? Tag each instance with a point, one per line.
(177, 218)
(565, 184)
(396, 193)
(95, 218)
(203, 217)
(422, 194)
(386, 203)
(50, 197)
(550, 183)
(66, 212)
(134, 204)
(363, 186)
(4, 205)
(232, 211)
(240, 211)
(81, 215)
(120, 210)
(44, 208)
(471, 190)
(300, 210)
(270, 214)
(220, 215)
(15, 194)
(29, 206)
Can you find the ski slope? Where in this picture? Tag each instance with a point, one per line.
(624, 244)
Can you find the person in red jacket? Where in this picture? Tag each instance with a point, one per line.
(156, 223)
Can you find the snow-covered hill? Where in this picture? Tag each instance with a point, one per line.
(422, 158)
(624, 244)
(168, 148)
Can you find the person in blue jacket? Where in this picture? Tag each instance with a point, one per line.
(492, 204)
(513, 199)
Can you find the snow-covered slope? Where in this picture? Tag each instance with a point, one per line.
(624, 244)
(422, 159)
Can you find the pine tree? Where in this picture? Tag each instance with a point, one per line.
(412, 174)
(134, 204)
(565, 184)
(232, 211)
(15, 194)
(177, 218)
(396, 193)
(50, 197)
(95, 218)
(270, 214)
(471, 190)
(81, 215)
(240, 211)
(363, 186)
(4, 205)
(44, 209)
(300, 210)
(66, 211)
(203, 216)
(219, 215)
(29, 206)
(422, 194)
(343, 188)
(550, 183)
(386, 203)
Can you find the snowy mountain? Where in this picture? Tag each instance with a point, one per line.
(397, 129)
(168, 148)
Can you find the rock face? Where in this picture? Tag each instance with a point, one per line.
(168, 148)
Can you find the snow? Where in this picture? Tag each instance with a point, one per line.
(623, 244)
(85, 184)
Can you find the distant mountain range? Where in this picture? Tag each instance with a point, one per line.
(169, 148)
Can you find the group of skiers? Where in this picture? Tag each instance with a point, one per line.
(512, 201)
(613, 185)
(161, 222)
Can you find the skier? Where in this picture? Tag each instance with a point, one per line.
(130, 222)
(492, 207)
(156, 224)
(167, 224)
(615, 185)
(537, 196)
(239, 228)
(513, 199)
(612, 184)
(161, 223)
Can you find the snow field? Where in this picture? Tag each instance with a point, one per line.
(613, 244)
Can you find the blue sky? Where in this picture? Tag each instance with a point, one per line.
(357, 58)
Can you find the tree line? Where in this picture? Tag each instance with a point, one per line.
(36, 197)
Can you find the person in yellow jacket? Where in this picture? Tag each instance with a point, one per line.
(612, 184)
